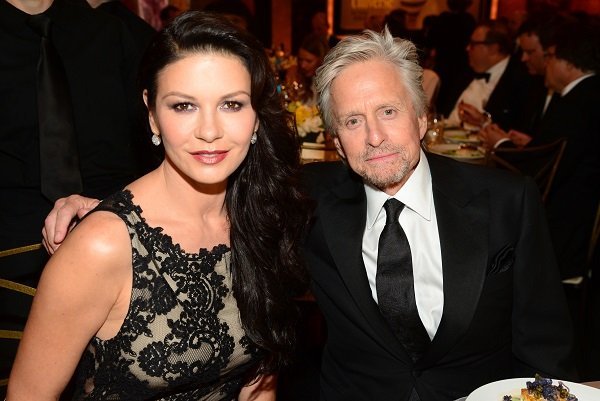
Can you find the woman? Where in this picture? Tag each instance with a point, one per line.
(179, 287)
(310, 56)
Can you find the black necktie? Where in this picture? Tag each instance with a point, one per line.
(482, 75)
(59, 158)
(395, 284)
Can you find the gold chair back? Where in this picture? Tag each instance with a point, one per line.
(9, 285)
(539, 162)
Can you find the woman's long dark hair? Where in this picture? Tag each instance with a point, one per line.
(267, 211)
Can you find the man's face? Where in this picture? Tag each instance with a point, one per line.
(533, 53)
(480, 52)
(557, 71)
(378, 132)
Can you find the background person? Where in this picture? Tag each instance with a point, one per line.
(311, 52)
(502, 83)
(96, 57)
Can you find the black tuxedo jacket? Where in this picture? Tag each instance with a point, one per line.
(504, 312)
(508, 102)
(575, 193)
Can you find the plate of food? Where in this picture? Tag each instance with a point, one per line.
(534, 389)
(457, 151)
(458, 135)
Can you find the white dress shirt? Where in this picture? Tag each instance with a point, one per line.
(479, 91)
(574, 83)
(418, 219)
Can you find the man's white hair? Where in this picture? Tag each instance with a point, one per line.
(367, 46)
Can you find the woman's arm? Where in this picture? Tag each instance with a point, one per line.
(84, 291)
(263, 389)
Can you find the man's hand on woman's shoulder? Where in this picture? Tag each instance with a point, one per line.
(62, 218)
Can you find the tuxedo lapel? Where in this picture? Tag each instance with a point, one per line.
(463, 218)
(343, 215)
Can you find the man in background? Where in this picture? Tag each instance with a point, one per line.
(501, 83)
(96, 60)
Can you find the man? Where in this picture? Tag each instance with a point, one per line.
(535, 35)
(570, 71)
(501, 83)
(141, 32)
(484, 272)
(485, 301)
(98, 59)
(447, 38)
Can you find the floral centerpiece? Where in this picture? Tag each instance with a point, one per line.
(308, 122)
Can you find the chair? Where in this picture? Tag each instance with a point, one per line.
(8, 285)
(539, 162)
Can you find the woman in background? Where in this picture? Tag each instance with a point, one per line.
(310, 56)
(180, 286)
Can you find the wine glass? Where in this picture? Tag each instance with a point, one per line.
(435, 129)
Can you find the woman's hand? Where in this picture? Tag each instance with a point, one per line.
(61, 219)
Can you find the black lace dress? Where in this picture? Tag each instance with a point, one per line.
(182, 337)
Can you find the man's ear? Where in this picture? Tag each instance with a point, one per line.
(338, 147)
(422, 126)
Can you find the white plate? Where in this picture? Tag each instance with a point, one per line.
(460, 136)
(454, 151)
(496, 390)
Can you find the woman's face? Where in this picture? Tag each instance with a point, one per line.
(204, 116)
(308, 62)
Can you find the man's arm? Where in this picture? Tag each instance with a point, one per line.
(61, 219)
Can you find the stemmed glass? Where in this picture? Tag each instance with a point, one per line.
(435, 129)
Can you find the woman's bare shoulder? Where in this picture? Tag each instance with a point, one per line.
(101, 241)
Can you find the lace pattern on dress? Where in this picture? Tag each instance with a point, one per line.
(182, 337)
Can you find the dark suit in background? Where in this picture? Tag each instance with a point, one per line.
(504, 311)
(508, 101)
(448, 37)
(100, 62)
(575, 193)
(141, 32)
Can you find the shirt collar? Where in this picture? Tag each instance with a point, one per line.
(14, 19)
(497, 69)
(416, 194)
(574, 83)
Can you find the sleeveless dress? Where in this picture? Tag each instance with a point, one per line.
(182, 337)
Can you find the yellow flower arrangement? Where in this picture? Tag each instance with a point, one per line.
(308, 120)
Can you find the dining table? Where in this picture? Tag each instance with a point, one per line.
(318, 152)
(455, 142)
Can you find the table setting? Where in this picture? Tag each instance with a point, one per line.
(455, 142)
(537, 388)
